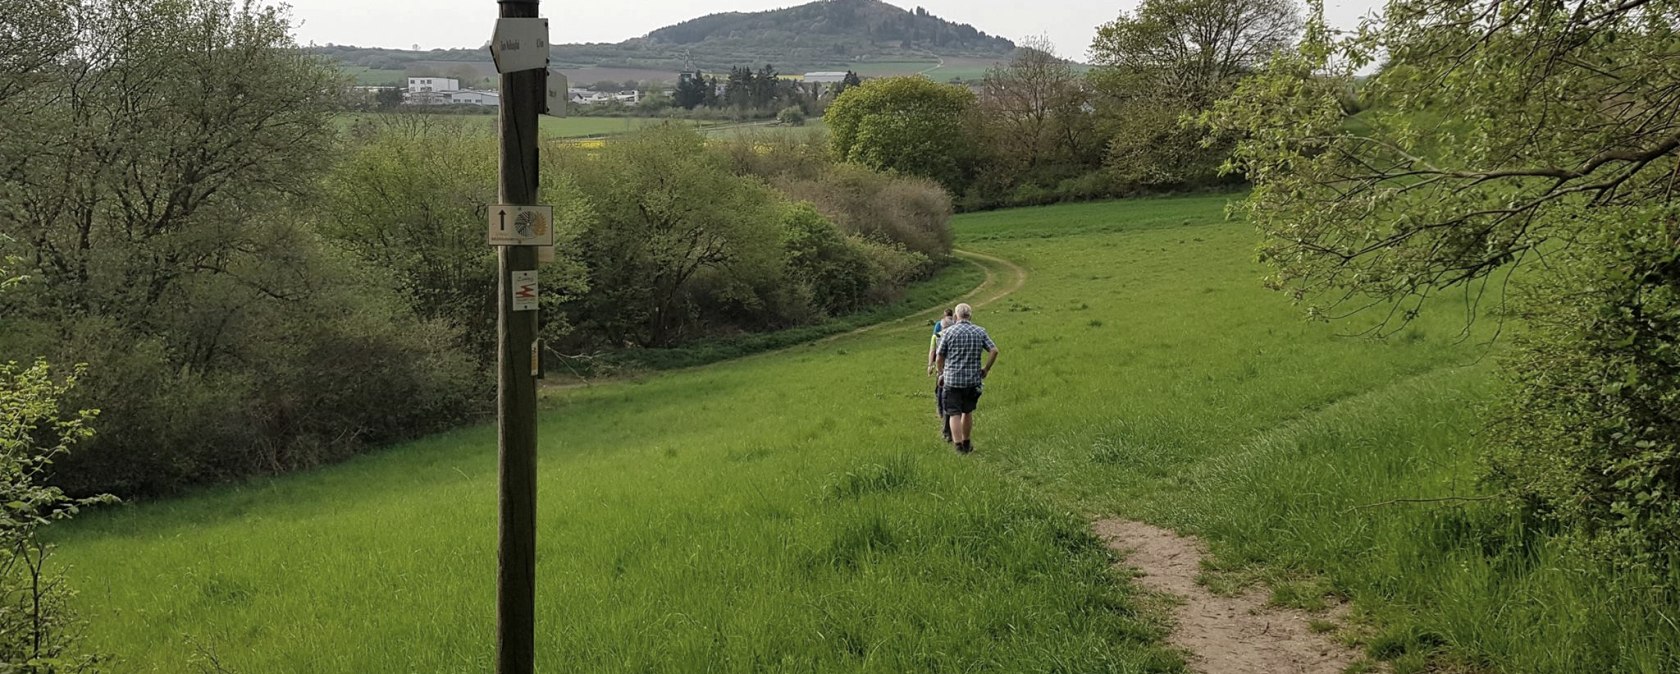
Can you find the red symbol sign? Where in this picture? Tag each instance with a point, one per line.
(525, 292)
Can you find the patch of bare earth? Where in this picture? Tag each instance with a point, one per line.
(1222, 635)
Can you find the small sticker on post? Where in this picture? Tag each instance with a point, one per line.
(525, 294)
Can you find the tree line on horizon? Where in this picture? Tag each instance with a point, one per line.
(744, 89)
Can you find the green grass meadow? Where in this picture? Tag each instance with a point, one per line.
(795, 511)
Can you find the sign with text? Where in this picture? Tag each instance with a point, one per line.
(521, 225)
(525, 291)
(559, 95)
(520, 44)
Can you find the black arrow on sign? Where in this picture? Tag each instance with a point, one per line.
(503, 215)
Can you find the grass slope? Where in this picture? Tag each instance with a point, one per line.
(794, 511)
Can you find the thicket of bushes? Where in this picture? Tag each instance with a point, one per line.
(363, 312)
(163, 233)
(663, 240)
(253, 292)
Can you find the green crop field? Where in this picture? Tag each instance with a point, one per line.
(374, 77)
(891, 68)
(579, 127)
(810, 128)
(553, 127)
(795, 511)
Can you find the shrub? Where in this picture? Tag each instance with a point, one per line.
(775, 157)
(410, 199)
(676, 232)
(912, 212)
(896, 267)
(791, 116)
(1591, 434)
(288, 386)
(835, 271)
(37, 630)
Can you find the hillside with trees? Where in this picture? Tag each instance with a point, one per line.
(825, 34)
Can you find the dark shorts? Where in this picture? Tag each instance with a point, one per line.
(961, 400)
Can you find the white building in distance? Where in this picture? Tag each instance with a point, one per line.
(423, 84)
(587, 97)
(447, 91)
(471, 97)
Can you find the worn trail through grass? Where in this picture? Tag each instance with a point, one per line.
(1003, 278)
(796, 511)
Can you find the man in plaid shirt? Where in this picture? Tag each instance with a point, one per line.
(961, 347)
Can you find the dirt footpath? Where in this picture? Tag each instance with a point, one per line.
(1223, 635)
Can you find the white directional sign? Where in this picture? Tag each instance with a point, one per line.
(559, 94)
(521, 225)
(520, 44)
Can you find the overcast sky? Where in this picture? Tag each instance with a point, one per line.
(436, 24)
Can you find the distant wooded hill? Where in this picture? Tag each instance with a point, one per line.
(828, 34)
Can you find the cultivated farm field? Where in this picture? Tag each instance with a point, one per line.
(552, 127)
(795, 511)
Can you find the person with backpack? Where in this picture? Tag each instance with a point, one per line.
(939, 383)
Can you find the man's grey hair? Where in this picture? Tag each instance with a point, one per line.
(964, 311)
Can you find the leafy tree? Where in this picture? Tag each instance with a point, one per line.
(157, 213)
(37, 630)
(1172, 59)
(411, 200)
(1034, 109)
(791, 116)
(388, 98)
(906, 124)
(1195, 50)
(691, 91)
(675, 231)
(740, 89)
(8, 262)
(1498, 135)
(712, 92)
(850, 80)
(151, 172)
(765, 88)
(833, 269)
